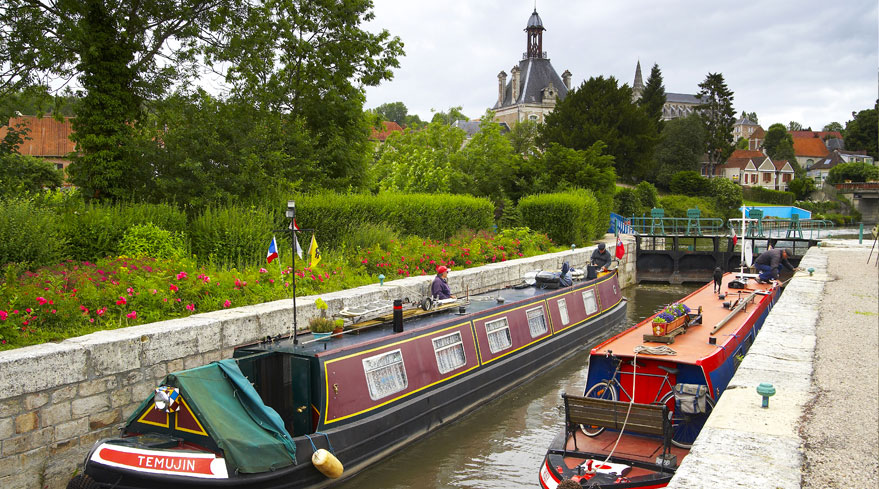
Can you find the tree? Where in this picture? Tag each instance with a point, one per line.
(565, 168)
(393, 111)
(419, 161)
(680, 148)
(718, 117)
(689, 183)
(727, 196)
(653, 98)
(794, 126)
(774, 136)
(483, 168)
(20, 173)
(751, 116)
(454, 114)
(627, 203)
(833, 126)
(855, 172)
(742, 143)
(801, 187)
(861, 133)
(602, 110)
(647, 195)
(523, 137)
(123, 53)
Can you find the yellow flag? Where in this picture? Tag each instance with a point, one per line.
(314, 252)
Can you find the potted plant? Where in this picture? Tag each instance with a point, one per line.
(321, 327)
(338, 327)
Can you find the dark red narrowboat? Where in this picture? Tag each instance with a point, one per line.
(282, 414)
(650, 389)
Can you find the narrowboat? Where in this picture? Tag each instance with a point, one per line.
(650, 388)
(287, 413)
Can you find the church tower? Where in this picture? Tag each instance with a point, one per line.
(534, 86)
(638, 86)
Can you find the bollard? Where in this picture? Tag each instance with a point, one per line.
(381, 279)
(573, 246)
(398, 316)
(861, 234)
(766, 390)
(811, 271)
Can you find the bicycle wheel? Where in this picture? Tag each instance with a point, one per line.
(686, 426)
(601, 390)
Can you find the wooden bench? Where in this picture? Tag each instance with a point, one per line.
(648, 419)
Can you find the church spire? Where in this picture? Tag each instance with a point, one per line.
(638, 86)
(535, 36)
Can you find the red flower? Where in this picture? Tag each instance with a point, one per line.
(121, 301)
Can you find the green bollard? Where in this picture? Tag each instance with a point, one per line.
(861, 234)
(766, 390)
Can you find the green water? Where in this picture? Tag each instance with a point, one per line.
(502, 444)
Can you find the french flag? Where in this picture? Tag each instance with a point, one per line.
(273, 250)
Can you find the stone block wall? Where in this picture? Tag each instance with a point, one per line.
(58, 399)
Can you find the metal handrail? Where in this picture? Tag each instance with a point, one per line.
(677, 225)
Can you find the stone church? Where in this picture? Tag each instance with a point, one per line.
(676, 104)
(534, 85)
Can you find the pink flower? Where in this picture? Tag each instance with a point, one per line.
(101, 311)
(263, 270)
(121, 301)
(91, 320)
(29, 310)
(130, 291)
(3, 315)
(179, 299)
(165, 299)
(54, 311)
(41, 300)
(24, 322)
(191, 307)
(131, 315)
(227, 303)
(181, 276)
(173, 288)
(155, 291)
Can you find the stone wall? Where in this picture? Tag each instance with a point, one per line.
(58, 399)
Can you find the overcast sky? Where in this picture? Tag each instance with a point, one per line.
(811, 61)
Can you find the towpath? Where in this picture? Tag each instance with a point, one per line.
(840, 427)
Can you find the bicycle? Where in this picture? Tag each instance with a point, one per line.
(685, 426)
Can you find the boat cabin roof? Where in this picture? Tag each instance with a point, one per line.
(693, 346)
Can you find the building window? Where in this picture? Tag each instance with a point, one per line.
(767, 177)
(385, 374)
(536, 321)
(785, 177)
(498, 332)
(589, 302)
(449, 352)
(532, 118)
(563, 311)
(59, 166)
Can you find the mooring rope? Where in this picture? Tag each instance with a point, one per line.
(655, 350)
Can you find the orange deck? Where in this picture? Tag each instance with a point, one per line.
(693, 346)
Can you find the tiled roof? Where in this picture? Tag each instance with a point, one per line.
(758, 133)
(535, 74)
(48, 137)
(739, 163)
(389, 128)
(810, 147)
(780, 164)
(746, 153)
(815, 134)
(824, 164)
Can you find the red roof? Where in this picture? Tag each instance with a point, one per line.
(810, 147)
(746, 153)
(815, 134)
(758, 133)
(739, 163)
(389, 128)
(48, 137)
(779, 164)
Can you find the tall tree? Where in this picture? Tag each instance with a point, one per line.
(718, 117)
(751, 116)
(779, 145)
(602, 110)
(393, 111)
(523, 137)
(833, 126)
(123, 53)
(861, 133)
(794, 126)
(653, 98)
(680, 147)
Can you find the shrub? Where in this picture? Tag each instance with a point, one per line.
(30, 235)
(570, 217)
(234, 236)
(855, 172)
(648, 195)
(153, 241)
(677, 205)
(369, 235)
(627, 203)
(767, 196)
(95, 231)
(689, 183)
(727, 196)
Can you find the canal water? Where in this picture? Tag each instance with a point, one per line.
(501, 445)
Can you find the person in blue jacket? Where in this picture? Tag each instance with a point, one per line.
(439, 289)
(769, 264)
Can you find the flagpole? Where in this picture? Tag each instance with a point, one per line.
(744, 241)
(291, 213)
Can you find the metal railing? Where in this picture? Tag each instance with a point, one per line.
(779, 228)
(682, 226)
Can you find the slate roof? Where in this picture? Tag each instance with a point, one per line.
(472, 127)
(834, 144)
(743, 121)
(682, 98)
(534, 75)
(810, 147)
(534, 21)
(824, 164)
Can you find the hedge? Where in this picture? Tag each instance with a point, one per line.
(767, 196)
(570, 217)
(677, 206)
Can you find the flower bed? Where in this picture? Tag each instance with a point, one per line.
(75, 298)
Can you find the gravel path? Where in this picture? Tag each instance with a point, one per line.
(840, 427)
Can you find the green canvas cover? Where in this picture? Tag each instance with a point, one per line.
(251, 434)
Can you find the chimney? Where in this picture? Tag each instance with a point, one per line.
(515, 73)
(501, 85)
(566, 77)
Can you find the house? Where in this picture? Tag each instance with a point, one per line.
(47, 138)
(742, 171)
(737, 157)
(388, 128)
(809, 150)
(743, 128)
(755, 141)
(819, 170)
(534, 85)
(755, 169)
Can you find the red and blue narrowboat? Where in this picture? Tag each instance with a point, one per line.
(650, 389)
(306, 413)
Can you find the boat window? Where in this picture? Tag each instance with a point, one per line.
(385, 374)
(589, 302)
(563, 310)
(449, 351)
(536, 321)
(498, 335)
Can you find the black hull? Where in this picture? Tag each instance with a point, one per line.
(366, 441)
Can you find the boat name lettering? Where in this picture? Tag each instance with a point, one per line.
(168, 463)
